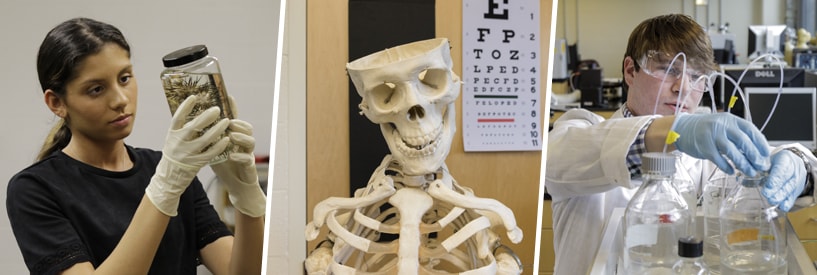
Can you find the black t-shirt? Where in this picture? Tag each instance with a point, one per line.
(64, 212)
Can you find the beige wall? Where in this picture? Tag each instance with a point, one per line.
(601, 27)
(510, 177)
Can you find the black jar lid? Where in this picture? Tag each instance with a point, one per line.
(185, 55)
(690, 247)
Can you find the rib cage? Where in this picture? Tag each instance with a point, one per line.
(365, 231)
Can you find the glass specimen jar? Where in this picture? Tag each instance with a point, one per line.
(190, 71)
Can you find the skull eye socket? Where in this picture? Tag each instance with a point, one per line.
(436, 79)
(384, 95)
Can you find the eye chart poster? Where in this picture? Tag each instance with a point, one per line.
(501, 75)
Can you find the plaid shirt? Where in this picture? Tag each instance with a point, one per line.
(637, 148)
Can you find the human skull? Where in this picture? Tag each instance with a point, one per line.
(410, 91)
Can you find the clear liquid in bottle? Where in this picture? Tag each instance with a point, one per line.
(719, 185)
(655, 218)
(753, 236)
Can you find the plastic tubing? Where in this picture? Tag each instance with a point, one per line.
(745, 103)
(710, 86)
(681, 91)
(683, 94)
(664, 80)
(737, 89)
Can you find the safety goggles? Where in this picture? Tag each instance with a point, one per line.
(657, 64)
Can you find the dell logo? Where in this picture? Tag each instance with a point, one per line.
(764, 73)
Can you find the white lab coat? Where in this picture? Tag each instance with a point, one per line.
(587, 177)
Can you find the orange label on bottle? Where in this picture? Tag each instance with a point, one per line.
(742, 235)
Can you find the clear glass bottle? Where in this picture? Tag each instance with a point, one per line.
(717, 187)
(691, 251)
(192, 70)
(654, 219)
(689, 191)
(753, 232)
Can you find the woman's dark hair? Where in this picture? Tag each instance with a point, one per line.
(61, 52)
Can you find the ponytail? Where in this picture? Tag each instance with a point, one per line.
(57, 138)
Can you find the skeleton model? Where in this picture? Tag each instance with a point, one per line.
(436, 226)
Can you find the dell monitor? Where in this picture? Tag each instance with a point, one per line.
(794, 119)
(765, 39)
(754, 77)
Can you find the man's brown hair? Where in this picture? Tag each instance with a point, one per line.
(671, 34)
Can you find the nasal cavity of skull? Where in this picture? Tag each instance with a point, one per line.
(416, 112)
(434, 78)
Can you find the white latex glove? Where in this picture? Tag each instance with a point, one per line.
(183, 154)
(238, 173)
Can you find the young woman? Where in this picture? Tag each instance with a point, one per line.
(93, 204)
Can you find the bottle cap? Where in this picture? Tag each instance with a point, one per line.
(660, 163)
(690, 247)
(184, 56)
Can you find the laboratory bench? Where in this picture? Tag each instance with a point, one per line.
(608, 254)
(802, 235)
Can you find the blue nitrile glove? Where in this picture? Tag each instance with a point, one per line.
(786, 180)
(715, 136)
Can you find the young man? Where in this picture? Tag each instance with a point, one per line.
(599, 161)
